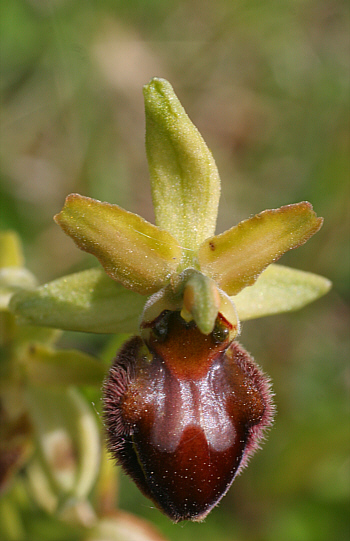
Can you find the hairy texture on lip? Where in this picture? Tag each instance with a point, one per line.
(183, 440)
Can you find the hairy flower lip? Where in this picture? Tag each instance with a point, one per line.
(183, 414)
(184, 435)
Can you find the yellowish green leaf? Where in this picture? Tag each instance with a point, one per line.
(279, 289)
(41, 490)
(235, 258)
(185, 181)
(14, 279)
(131, 250)
(11, 254)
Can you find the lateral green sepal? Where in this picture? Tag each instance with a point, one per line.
(87, 301)
(279, 289)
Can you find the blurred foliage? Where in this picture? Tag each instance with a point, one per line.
(267, 84)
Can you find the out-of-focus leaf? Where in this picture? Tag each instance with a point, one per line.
(11, 254)
(185, 181)
(73, 511)
(40, 487)
(132, 251)
(32, 335)
(87, 301)
(279, 289)
(15, 432)
(123, 527)
(68, 439)
(11, 525)
(50, 367)
(14, 279)
(235, 258)
(106, 491)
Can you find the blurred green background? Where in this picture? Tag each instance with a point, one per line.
(267, 84)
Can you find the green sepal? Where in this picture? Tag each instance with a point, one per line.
(279, 289)
(132, 251)
(235, 258)
(87, 301)
(49, 367)
(184, 178)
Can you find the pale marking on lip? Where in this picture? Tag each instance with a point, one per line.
(194, 404)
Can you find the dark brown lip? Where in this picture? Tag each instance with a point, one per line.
(181, 423)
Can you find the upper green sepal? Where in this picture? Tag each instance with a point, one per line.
(87, 301)
(237, 257)
(132, 251)
(184, 178)
(279, 289)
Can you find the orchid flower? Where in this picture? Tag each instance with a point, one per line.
(185, 405)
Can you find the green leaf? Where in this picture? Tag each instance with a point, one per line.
(87, 301)
(279, 289)
(50, 367)
(235, 258)
(185, 181)
(131, 250)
